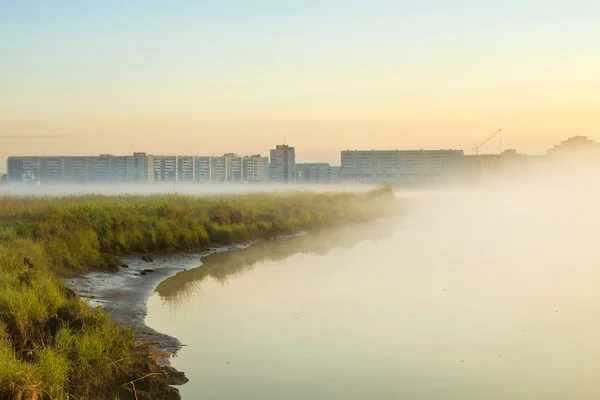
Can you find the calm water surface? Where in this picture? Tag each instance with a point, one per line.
(462, 299)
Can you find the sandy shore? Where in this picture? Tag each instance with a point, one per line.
(125, 293)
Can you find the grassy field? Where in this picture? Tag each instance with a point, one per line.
(54, 346)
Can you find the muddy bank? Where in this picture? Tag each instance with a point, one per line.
(124, 294)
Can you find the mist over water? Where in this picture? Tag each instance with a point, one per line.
(196, 189)
(485, 293)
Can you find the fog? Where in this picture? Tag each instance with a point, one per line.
(488, 292)
(162, 188)
(475, 291)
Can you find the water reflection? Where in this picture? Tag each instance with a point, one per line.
(479, 295)
(177, 289)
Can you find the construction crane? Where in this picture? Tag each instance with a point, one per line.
(476, 148)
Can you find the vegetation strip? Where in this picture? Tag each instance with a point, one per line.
(53, 345)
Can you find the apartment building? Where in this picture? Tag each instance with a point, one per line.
(335, 174)
(52, 169)
(164, 169)
(137, 167)
(255, 168)
(21, 169)
(317, 173)
(234, 167)
(283, 164)
(74, 169)
(401, 167)
(185, 169)
(226, 168)
(202, 169)
(98, 169)
(218, 169)
(105, 168)
(577, 153)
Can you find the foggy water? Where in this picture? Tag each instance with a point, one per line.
(471, 295)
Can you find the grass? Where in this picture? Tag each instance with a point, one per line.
(52, 344)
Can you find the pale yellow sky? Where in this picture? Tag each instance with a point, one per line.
(86, 80)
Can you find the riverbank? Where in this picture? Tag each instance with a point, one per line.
(124, 293)
(54, 345)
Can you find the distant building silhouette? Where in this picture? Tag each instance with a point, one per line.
(384, 167)
(283, 164)
(401, 167)
(317, 173)
(255, 168)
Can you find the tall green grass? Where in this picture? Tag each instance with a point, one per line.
(52, 345)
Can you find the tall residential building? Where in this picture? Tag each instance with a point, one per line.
(226, 168)
(218, 169)
(400, 167)
(185, 169)
(234, 167)
(255, 168)
(283, 164)
(52, 169)
(150, 169)
(75, 169)
(20, 169)
(137, 167)
(99, 170)
(165, 169)
(202, 168)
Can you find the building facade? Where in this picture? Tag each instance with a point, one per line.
(105, 168)
(317, 173)
(185, 169)
(401, 167)
(283, 164)
(234, 167)
(577, 153)
(255, 168)
(218, 169)
(164, 169)
(137, 167)
(202, 169)
(23, 169)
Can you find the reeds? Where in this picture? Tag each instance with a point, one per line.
(52, 345)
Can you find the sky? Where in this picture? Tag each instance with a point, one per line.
(209, 77)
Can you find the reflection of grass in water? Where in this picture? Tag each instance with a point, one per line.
(227, 265)
(51, 342)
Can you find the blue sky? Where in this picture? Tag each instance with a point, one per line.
(378, 73)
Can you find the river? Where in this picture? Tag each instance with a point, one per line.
(478, 296)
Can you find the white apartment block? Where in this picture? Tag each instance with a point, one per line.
(218, 169)
(105, 168)
(185, 169)
(202, 169)
(164, 168)
(317, 173)
(234, 167)
(226, 168)
(283, 164)
(255, 168)
(401, 167)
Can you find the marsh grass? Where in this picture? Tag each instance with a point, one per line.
(54, 346)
